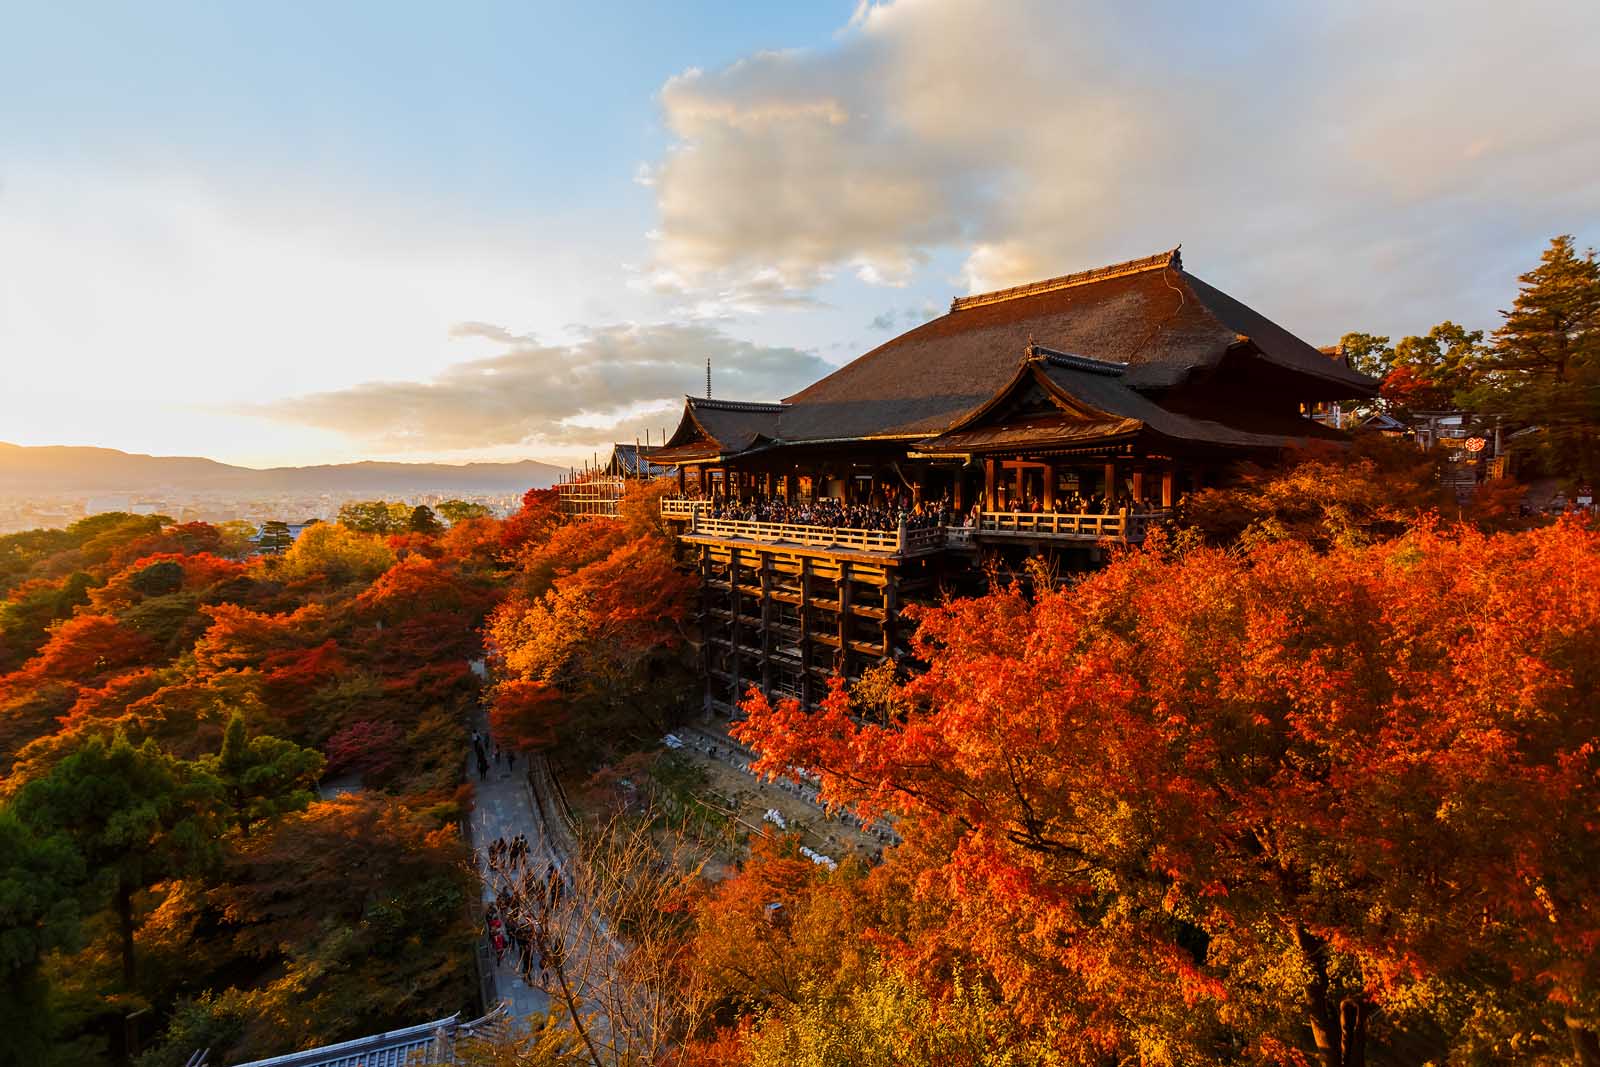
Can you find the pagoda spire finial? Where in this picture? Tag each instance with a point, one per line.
(708, 377)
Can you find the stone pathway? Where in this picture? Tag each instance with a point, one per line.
(504, 808)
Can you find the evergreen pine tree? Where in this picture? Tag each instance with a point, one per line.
(1545, 368)
(262, 776)
(136, 816)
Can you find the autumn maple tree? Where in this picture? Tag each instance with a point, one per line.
(1277, 800)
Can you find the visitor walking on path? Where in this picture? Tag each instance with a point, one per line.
(503, 811)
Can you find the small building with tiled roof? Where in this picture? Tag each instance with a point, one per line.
(637, 461)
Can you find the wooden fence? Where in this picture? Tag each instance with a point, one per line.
(1119, 526)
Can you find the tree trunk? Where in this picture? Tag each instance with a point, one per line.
(1585, 1043)
(1340, 1037)
(1353, 1032)
(125, 925)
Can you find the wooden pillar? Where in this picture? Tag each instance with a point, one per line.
(680, 480)
(891, 609)
(955, 489)
(806, 687)
(1016, 505)
(1169, 479)
(1110, 490)
(991, 492)
(1049, 486)
(772, 485)
(788, 487)
(844, 618)
(1138, 486)
(766, 622)
(705, 623)
(736, 659)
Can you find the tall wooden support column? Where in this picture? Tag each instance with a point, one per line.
(1169, 487)
(706, 660)
(891, 610)
(844, 618)
(766, 623)
(1111, 487)
(738, 657)
(806, 686)
(1138, 486)
(788, 487)
(1016, 504)
(991, 492)
(1049, 486)
(681, 485)
(772, 485)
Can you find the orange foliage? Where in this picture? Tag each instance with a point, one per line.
(84, 650)
(1146, 789)
(239, 637)
(526, 715)
(418, 585)
(198, 573)
(539, 515)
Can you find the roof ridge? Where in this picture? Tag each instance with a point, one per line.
(1073, 361)
(1172, 258)
(735, 405)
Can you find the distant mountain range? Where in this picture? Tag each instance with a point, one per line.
(59, 469)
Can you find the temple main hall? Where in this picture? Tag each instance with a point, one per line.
(1053, 418)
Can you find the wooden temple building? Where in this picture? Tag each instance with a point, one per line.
(1049, 417)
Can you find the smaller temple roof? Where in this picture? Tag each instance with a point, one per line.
(711, 428)
(1058, 399)
(637, 461)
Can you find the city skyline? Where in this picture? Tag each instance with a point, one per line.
(293, 237)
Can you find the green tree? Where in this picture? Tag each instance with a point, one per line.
(335, 552)
(236, 535)
(374, 516)
(1368, 353)
(455, 511)
(38, 913)
(135, 816)
(1545, 360)
(424, 521)
(262, 777)
(275, 536)
(1437, 370)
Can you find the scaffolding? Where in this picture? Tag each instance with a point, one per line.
(591, 495)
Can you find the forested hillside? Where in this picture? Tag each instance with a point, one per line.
(167, 706)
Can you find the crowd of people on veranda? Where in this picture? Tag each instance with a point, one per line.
(887, 514)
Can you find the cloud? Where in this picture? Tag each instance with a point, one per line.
(610, 384)
(1365, 140)
(904, 318)
(490, 332)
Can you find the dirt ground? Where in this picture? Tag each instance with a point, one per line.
(832, 836)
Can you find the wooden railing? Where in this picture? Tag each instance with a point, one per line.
(1119, 526)
(678, 507)
(796, 534)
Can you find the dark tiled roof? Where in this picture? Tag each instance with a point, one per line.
(636, 461)
(1163, 322)
(1107, 409)
(718, 427)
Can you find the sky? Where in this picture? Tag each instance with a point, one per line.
(304, 233)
